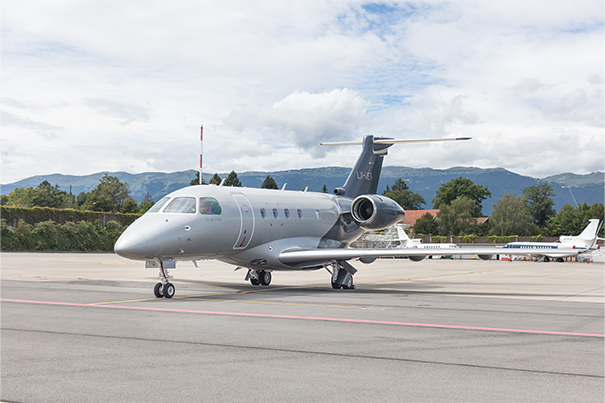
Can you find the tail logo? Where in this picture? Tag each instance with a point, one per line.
(364, 175)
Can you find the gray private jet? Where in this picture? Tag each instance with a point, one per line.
(265, 230)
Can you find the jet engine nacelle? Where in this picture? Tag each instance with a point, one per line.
(485, 257)
(416, 258)
(373, 212)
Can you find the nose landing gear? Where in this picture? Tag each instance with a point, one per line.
(164, 288)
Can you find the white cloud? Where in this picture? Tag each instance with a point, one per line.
(125, 85)
(305, 119)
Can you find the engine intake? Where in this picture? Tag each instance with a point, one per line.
(373, 212)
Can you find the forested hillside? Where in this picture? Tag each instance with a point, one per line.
(569, 188)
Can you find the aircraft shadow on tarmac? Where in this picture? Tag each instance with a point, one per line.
(400, 288)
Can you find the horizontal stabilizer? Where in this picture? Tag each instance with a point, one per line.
(390, 141)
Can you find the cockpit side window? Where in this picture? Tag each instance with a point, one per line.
(181, 205)
(156, 207)
(210, 206)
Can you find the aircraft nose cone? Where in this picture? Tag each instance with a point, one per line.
(131, 245)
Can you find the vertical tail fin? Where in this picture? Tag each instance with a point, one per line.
(403, 237)
(590, 232)
(364, 177)
(587, 238)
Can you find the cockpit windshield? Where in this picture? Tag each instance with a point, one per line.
(209, 205)
(181, 205)
(157, 206)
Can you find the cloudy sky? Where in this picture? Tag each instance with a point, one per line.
(91, 86)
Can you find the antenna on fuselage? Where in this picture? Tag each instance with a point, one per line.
(201, 152)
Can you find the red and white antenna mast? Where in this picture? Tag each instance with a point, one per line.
(201, 151)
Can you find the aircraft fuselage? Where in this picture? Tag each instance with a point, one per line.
(240, 226)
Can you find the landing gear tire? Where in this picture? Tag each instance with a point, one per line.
(254, 281)
(168, 290)
(157, 290)
(264, 277)
(546, 259)
(349, 285)
(336, 286)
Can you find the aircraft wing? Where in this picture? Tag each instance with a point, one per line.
(318, 256)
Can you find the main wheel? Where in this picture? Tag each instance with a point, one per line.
(349, 285)
(264, 277)
(254, 281)
(157, 290)
(168, 290)
(336, 286)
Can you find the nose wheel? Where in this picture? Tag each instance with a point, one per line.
(164, 289)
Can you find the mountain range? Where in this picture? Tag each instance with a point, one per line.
(569, 188)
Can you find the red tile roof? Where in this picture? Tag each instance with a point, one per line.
(411, 216)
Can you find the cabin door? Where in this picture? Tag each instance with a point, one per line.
(247, 221)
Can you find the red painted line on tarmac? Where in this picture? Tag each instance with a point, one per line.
(263, 315)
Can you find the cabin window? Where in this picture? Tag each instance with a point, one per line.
(300, 214)
(263, 213)
(275, 213)
(157, 206)
(287, 213)
(181, 205)
(209, 206)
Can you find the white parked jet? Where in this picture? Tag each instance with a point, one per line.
(578, 244)
(396, 237)
(439, 249)
(272, 230)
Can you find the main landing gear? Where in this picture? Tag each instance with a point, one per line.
(342, 275)
(163, 289)
(259, 277)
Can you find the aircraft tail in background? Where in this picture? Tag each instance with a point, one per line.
(587, 238)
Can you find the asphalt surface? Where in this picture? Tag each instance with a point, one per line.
(86, 328)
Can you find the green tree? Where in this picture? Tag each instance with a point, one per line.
(426, 225)
(196, 180)
(451, 190)
(109, 195)
(402, 195)
(130, 206)
(540, 203)
(216, 180)
(4, 200)
(81, 199)
(458, 217)
(572, 220)
(232, 180)
(47, 195)
(269, 183)
(324, 189)
(21, 197)
(511, 216)
(146, 204)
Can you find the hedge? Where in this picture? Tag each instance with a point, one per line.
(35, 215)
(50, 236)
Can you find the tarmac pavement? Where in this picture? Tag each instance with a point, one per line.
(87, 328)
